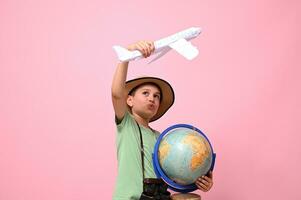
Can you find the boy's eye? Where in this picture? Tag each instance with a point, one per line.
(157, 96)
(145, 93)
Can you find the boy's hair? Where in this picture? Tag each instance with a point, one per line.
(132, 92)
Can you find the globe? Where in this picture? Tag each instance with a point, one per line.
(181, 155)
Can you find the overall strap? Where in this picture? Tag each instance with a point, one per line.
(141, 151)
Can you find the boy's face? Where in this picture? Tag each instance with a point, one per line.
(145, 101)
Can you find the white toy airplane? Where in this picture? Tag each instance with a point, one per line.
(178, 42)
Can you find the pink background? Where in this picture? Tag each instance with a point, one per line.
(57, 139)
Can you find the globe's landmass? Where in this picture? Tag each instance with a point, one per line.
(184, 155)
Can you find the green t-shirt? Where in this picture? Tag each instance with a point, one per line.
(129, 178)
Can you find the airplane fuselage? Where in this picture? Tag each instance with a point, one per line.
(161, 46)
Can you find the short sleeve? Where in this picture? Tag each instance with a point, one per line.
(126, 119)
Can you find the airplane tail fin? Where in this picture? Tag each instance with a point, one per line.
(122, 53)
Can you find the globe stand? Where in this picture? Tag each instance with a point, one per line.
(185, 196)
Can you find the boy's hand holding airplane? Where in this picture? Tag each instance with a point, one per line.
(145, 47)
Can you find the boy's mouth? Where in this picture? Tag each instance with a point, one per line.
(151, 106)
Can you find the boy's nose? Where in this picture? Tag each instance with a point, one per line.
(151, 98)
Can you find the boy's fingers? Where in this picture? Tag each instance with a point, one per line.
(145, 48)
(152, 46)
(205, 181)
(148, 51)
(202, 186)
(141, 48)
(207, 178)
(149, 48)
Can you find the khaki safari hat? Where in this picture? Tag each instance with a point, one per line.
(167, 93)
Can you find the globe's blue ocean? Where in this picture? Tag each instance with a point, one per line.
(183, 154)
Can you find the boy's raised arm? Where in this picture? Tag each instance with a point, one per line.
(118, 90)
(119, 94)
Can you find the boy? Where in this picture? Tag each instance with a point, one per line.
(137, 103)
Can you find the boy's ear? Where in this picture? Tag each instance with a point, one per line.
(129, 101)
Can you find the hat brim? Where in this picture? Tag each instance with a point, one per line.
(167, 98)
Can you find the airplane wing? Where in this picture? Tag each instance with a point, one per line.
(185, 48)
